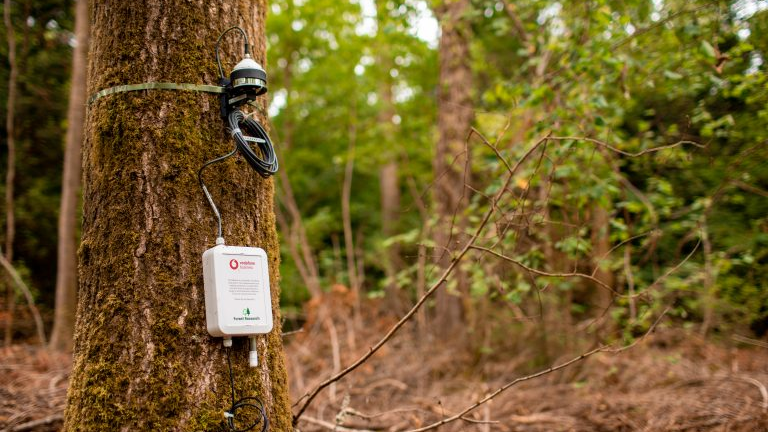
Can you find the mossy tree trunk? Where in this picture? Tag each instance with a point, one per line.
(143, 359)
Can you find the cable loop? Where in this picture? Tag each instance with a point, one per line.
(218, 41)
(246, 402)
(265, 164)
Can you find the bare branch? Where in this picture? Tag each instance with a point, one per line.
(36, 424)
(657, 24)
(601, 348)
(750, 341)
(626, 153)
(291, 333)
(545, 273)
(620, 244)
(749, 188)
(333, 426)
(443, 278)
(507, 386)
(675, 268)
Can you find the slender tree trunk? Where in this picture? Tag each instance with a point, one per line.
(451, 162)
(601, 243)
(710, 289)
(389, 182)
(296, 236)
(143, 359)
(292, 224)
(10, 175)
(66, 273)
(389, 186)
(346, 215)
(421, 261)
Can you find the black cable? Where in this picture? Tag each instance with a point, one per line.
(247, 46)
(205, 189)
(243, 403)
(267, 164)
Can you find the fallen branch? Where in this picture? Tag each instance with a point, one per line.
(36, 423)
(460, 416)
(760, 387)
(746, 340)
(332, 426)
(601, 348)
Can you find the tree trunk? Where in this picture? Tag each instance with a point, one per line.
(389, 186)
(389, 182)
(451, 162)
(66, 270)
(292, 224)
(346, 215)
(601, 245)
(143, 359)
(10, 223)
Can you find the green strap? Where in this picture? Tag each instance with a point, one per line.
(156, 86)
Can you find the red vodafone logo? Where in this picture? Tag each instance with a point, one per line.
(233, 264)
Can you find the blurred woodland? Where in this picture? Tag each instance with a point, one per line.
(542, 179)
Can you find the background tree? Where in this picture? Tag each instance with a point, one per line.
(451, 164)
(43, 32)
(10, 173)
(66, 267)
(143, 359)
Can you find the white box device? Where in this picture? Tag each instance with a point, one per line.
(237, 297)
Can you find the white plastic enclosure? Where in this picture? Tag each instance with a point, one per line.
(237, 297)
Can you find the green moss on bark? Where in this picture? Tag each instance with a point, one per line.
(143, 358)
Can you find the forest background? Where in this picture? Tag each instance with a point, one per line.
(618, 148)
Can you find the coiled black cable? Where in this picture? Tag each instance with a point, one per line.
(246, 402)
(267, 164)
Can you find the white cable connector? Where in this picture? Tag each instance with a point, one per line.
(227, 342)
(253, 355)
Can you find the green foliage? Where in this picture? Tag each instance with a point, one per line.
(44, 31)
(328, 63)
(635, 75)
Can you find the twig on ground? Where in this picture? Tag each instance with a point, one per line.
(361, 415)
(601, 348)
(460, 416)
(332, 426)
(746, 340)
(760, 386)
(34, 424)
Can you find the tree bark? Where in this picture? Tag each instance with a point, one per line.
(143, 359)
(451, 161)
(10, 174)
(66, 273)
(601, 245)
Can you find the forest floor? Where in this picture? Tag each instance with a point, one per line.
(670, 381)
